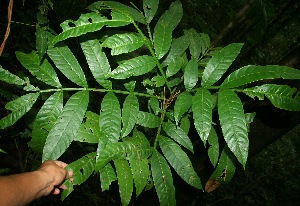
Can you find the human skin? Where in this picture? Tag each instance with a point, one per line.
(21, 189)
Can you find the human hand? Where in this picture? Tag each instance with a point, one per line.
(54, 173)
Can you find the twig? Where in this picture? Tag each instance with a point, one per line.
(9, 13)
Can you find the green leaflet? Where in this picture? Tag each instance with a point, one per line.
(163, 180)
(162, 36)
(174, 66)
(89, 22)
(150, 7)
(65, 128)
(96, 59)
(177, 134)
(225, 168)
(149, 120)
(43, 72)
(134, 67)
(281, 96)
(125, 180)
(123, 43)
(179, 161)
(125, 10)
(129, 114)
(107, 176)
(41, 41)
(182, 105)
(185, 124)
(199, 43)
(219, 63)
(140, 173)
(233, 124)
(82, 169)
(69, 189)
(19, 107)
(202, 113)
(89, 130)
(252, 73)
(123, 150)
(45, 120)
(67, 63)
(178, 47)
(154, 105)
(10, 78)
(191, 74)
(213, 149)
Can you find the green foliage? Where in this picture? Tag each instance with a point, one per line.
(153, 88)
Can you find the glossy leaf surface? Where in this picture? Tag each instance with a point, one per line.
(213, 149)
(10, 78)
(107, 176)
(148, 120)
(129, 114)
(140, 173)
(191, 74)
(182, 105)
(150, 7)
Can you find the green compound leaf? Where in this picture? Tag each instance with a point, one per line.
(252, 73)
(149, 120)
(45, 120)
(41, 41)
(67, 63)
(125, 10)
(191, 74)
(219, 63)
(10, 78)
(163, 180)
(202, 113)
(96, 59)
(43, 72)
(233, 124)
(123, 150)
(134, 67)
(213, 149)
(182, 105)
(89, 130)
(150, 7)
(107, 176)
(140, 172)
(177, 134)
(82, 169)
(129, 114)
(162, 36)
(89, 22)
(65, 128)
(123, 43)
(281, 96)
(225, 169)
(125, 180)
(19, 107)
(179, 160)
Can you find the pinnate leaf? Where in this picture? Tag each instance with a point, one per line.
(177, 134)
(134, 67)
(202, 113)
(191, 74)
(140, 173)
(162, 36)
(213, 149)
(179, 160)
(123, 43)
(233, 124)
(10, 78)
(182, 105)
(125, 180)
(281, 96)
(107, 176)
(19, 107)
(65, 128)
(219, 63)
(129, 114)
(252, 73)
(163, 180)
(44, 121)
(149, 120)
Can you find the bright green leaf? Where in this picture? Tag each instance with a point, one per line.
(185, 124)
(252, 73)
(199, 43)
(155, 105)
(149, 120)
(19, 107)
(233, 124)
(174, 66)
(150, 7)
(45, 120)
(191, 74)
(219, 63)
(213, 149)
(134, 67)
(140, 173)
(163, 180)
(179, 160)
(202, 113)
(177, 134)
(182, 105)
(125, 180)
(107, 176)
(162, 36)
(10, 78)
(129, 114)
(65, 128)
